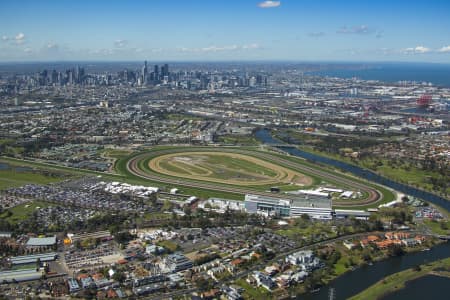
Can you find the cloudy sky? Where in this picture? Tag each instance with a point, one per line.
(301, 30)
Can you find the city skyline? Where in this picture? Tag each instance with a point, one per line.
(252, 30)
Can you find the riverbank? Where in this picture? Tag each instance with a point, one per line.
(266, 137)
(398, 280)
(355, 281)
(396, 170)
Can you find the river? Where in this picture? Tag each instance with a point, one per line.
(427, 287)
(264, 136)
(354, 282)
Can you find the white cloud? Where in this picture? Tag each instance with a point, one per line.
(422, 49)
(120, 43)
(227, 48)
(360, 29)
(416, 50)
(251, 46)
(316, 34)
(52, 46)
(445, 49)
(27, 50)
(216, 48)
(5, 38)
(269, 4)
(20, 36)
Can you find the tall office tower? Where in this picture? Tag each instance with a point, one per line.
(60, 78)
(156, 71)
(77, 74)
(54, 77)
(144, 73)
(81, 76)
(70, 76)
(165, 70)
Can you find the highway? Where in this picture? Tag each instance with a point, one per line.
(132, 167)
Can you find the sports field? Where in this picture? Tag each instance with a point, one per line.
(226, 167)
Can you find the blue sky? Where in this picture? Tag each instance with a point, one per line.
(302, 30)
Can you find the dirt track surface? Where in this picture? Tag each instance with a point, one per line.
(283, 175)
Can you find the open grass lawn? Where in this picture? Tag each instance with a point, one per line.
(252, 292)
(238, 140)
(397, 281)
(297, 232)
(169, 245)
(173, 168)
(23, 211)
(340, 267)
(439, 227)
(11, 178)
(116, 153)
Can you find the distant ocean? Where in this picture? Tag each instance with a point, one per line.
(438, 74)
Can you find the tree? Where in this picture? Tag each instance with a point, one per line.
(396, 250)
(204, 284)
(38, 264)
(305, 217)
(119, 276)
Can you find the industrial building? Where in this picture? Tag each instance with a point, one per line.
(317, 207)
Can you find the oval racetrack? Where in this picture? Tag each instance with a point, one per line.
(132, 166)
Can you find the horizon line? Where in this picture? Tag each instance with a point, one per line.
(227, 61)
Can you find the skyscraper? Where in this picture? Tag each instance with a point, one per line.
(165, 70)
(144, 73)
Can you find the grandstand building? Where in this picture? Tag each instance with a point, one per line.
(315, 206)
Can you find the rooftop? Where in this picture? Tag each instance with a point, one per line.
(46, 241)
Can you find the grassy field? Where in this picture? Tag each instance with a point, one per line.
(9, 178)
(169, 245)
(297, 233)
(230, 168)
(149, 164)
(13, 177)
(116, 153)
(397, 281)
(238, 140)
(252, 292)
(439, 227)
(23, 211)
